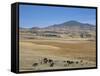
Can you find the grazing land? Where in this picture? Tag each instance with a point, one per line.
(53, 52)
(54, 38)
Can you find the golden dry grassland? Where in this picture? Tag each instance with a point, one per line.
(36, 53)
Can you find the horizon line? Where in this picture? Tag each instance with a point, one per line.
(59, 23)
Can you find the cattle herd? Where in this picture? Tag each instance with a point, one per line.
(52, 63)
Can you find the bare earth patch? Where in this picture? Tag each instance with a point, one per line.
(36, 54)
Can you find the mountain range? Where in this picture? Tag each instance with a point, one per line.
(69, 29)
(69, 26)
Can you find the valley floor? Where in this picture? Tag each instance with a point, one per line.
(46, 54)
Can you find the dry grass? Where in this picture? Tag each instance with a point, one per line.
(34, 50)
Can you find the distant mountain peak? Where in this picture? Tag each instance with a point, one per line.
(71, 25)
(35, 28)
(72, 21)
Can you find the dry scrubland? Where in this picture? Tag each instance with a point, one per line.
(43, 53)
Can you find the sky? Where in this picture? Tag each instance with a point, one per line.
(43, 16)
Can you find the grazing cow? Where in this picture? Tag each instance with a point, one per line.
(45, 60)
(81, 61)
(51, 64)
(50, 60)
(77, 62)
(35, 64)
(70, 62)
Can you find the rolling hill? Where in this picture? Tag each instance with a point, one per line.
(66, 29)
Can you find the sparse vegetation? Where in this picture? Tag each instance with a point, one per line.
(56, 49)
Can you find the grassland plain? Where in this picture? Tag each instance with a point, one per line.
(45, 53)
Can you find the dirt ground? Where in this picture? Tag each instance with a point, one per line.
(44, 53)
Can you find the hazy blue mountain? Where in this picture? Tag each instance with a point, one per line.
(68, 26)
(71, 26)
